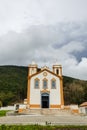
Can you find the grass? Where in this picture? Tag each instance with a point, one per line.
(38, 127)
(3, 112)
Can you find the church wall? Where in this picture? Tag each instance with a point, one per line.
(35, 97)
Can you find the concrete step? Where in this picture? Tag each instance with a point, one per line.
(47, 112)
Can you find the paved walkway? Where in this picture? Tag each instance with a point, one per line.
(42, 120)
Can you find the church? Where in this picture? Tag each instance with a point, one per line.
(45, 87)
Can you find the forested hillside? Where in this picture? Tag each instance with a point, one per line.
(13, 86)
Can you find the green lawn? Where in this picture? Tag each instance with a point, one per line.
(3, 112)
(38, 127)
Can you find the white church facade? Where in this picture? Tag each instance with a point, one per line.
(45, 87)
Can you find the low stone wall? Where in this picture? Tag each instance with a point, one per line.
(8, 108)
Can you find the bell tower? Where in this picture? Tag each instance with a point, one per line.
(57, 69)
(32, 68)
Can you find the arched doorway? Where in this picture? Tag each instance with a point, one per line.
(44, 100)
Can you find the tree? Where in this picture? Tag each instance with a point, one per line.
(0, 104)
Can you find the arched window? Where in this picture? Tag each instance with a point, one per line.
(44, 83)
(53, 84)
(36, 83)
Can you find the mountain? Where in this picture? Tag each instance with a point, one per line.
(13, 86)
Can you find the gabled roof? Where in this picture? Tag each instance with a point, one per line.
(84, 104)
(48, 72)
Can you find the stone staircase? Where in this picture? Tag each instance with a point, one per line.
(47, 112)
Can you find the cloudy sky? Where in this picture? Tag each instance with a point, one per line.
(46, 31)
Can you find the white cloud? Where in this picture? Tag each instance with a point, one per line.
(73, 46)
(45, 31)
(78, 70)
(18, 14)
(45, 44)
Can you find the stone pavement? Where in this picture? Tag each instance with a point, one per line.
(43, 119)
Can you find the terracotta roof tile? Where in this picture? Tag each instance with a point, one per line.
(83, 104)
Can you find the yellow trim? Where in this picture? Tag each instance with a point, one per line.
(28, 92)
(61, 71)
(75, 111)
(32, 66)
(45, 91)
(20, 110)
(61, 91)
(55, 106)
(47, 71)
(34, 106)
